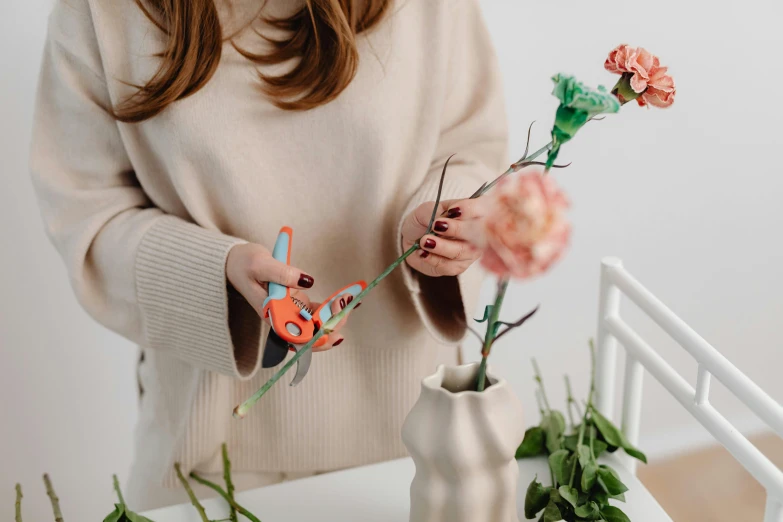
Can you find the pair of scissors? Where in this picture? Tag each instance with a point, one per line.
(293, 322)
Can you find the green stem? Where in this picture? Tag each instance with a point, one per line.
(18, 517)
(193, 499)
(116, 483)
(489, 337)
(58, 516)
(231, 502)
(241, 410)
(540, 382)
(229, 482)
(569, 401)
(579, 441)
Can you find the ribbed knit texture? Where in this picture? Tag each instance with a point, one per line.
(144, 216)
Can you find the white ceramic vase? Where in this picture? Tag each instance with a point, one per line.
(463, 444)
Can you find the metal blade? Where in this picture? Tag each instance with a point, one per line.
(302, 365)
(275, 350)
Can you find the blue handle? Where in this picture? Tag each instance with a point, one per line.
(326, 312)
(280, 253)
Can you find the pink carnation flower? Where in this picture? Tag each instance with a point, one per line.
(647, 77)
(526, 227)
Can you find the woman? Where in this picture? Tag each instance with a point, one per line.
(165, 167)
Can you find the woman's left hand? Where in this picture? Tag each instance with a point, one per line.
(451, 247)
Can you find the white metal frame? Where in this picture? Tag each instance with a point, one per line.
(616, 281)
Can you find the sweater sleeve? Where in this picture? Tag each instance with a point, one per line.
(154, 278)
(474, 127)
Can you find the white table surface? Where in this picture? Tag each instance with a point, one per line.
(378, 493)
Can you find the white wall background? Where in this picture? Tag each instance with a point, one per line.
(688, 197)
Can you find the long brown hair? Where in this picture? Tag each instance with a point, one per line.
(322, 35)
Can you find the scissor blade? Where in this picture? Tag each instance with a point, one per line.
(275, 350)
(302, 365)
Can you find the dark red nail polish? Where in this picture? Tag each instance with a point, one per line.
(357, 306)
(441, 226)
(305, 281)
(350, 298)
(430, 243)
(424, 253)
(454, 213)
(342, 303)
(338, 341)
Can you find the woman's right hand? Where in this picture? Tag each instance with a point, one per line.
(249, 269)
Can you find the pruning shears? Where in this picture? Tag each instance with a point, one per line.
(293, 322)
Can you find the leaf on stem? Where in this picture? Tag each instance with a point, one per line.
(487, 313)
(516, 324)
(589, 474)
(551, 513)
(614, 514)
(533, 444)
(121, 512)
(536, 498)
(610, 481)
(560, 463)
(588, 511)
(553, 425)
(570, 495)
(615, 437)
(437, 198)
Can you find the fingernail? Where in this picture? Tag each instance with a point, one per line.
(338, 341)
(454, 213)
(430, 243)
(441, 226)
(357, 306)
(342, 303)
(305, 281)
(424, 253)
(350, 298)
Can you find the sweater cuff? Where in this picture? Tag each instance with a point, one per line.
(187, 305)
(445, 303)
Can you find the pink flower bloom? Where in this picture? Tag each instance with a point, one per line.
(646, 75)
(526, 227)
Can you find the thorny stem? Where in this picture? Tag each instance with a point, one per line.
(489, 337)
(229, 482)
(525, 161)
(540, 382)
(193, 499)
(58, 516)
(231, 502)
(18, 517)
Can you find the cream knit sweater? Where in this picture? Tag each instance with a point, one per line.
(145, 214)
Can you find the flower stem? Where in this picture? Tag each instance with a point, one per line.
(489, 337)
(229, 482)
(540, 382)
(18, 517)
(569, 401)
(241, 410)
(58, 516)
(231, 502)
(193, 499)
(523, 162)
(117, 488)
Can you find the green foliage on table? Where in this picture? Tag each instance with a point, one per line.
(581, 487)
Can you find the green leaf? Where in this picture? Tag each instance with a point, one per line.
(533, 444)
(536, 498)
(558, 462)
(570, 495)
(588, 476)
(599, 447)
(610, 481)
(552, 513)
(570, 441)
(614, 514)
(553, 425)
(584, 455)
(122, 514)
(487, 313)
(615, 437)
(588, 511)
(620, 497)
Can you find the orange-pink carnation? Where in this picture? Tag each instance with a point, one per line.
(526, 227)
(646, 74)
